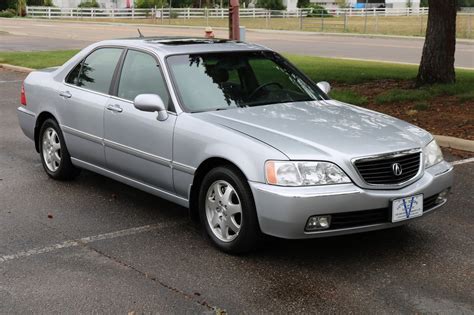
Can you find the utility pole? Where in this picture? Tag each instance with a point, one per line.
(365, 23)
(234, 24)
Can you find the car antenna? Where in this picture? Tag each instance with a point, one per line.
(140, 33)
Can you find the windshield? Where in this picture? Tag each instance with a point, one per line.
(215, 81)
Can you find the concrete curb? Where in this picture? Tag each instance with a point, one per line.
(455, 143)
(444, 141)
(15, 68)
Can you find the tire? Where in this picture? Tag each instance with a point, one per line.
(54, 154)
(228, 229)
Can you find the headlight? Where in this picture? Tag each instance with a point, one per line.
(289, 173)
(432, 154)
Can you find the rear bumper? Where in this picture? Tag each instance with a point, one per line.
(27, 120)
(284, 211)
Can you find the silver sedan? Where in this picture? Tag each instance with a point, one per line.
(234, 132)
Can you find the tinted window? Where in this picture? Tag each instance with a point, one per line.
(73, 76)
(141, 75)
(211, 81)
(98, 69)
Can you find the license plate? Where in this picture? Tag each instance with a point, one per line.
(407, 208)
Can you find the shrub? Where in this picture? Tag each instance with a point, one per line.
(146, 4)
(7, 13)
(48, 3)
(317, 11)
(89, 4)
(271, 4)
(174, 15)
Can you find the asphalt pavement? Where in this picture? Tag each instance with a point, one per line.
(93, 245)
(27, 34)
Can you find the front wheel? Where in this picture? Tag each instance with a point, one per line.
(54, 154)
(227, 211)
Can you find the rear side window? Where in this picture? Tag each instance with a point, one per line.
(141, 75)
(73, 76)
(96, 71)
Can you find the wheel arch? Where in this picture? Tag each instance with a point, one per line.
(42, 117)
(199, 174)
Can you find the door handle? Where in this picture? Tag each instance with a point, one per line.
(65, 94)
(115, 108)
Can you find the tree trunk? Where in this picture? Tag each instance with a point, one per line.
(437, 61)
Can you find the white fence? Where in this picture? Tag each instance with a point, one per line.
(190, 13)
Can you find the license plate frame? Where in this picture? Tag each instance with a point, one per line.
(407, 208)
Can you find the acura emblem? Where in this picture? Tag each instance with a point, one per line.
(397, 169)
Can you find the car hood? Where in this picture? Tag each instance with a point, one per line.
(321, 129)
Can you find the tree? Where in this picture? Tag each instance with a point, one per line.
(342, 3)
(437, 61)
(21, 7)
(271, 4)
(89, 4)
(146, 4)
(302, 3)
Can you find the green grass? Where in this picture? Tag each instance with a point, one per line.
(349, 96)
(466, 97)
(422, 106)
(385, 25)
(37, 59)
(318, 69)
(351, 71)
(399, 96)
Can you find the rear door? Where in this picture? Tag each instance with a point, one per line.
(85, 93)
(137, 145)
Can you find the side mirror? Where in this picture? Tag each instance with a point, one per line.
(324, 86)
(151, 103)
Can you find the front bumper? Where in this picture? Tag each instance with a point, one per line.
(284, 211)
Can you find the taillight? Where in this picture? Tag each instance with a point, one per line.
(23, 95)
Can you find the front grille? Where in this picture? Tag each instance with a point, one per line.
(379, 171)
(344, 220)
(359, 218)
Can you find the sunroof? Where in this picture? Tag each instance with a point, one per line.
(188, 41)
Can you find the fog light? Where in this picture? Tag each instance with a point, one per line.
(442, 196)
(319, 222)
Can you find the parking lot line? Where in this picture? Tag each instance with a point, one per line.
(12, 81)
(469, 160)
(82, 241)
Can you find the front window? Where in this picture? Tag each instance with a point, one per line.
(141, 74)
(214, 81)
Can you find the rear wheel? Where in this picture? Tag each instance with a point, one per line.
(227, 211)
(54, 154)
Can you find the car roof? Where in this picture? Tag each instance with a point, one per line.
(167, 45)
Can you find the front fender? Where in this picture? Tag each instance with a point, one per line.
(196, 141)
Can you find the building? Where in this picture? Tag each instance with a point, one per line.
(102, 3)
(332, 4)
(291, 5)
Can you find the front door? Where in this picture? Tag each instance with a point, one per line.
(137, 145)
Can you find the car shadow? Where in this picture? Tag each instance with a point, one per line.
(401, 241)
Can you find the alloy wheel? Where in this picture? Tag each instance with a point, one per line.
(223, 211)
(51, 149)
